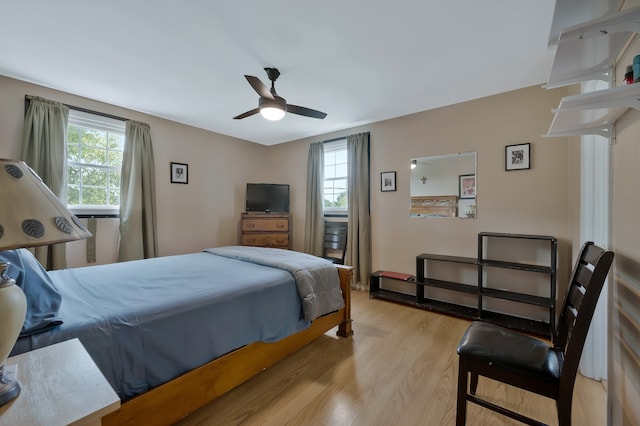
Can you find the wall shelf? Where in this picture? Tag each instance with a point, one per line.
(422, 282)
(486, 290)
(569, 13)
(593, 112)
(588, 51)
(626, 21)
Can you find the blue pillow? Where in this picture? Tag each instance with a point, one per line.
(43, 298)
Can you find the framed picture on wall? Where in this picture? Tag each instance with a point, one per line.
(517, 157)
(179, 173)
(387, 181)
(466, 186)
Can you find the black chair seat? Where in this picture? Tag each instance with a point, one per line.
(509, 349)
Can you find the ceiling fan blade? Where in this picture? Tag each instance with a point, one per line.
(259, 87)
(247, 114)
(307, 112)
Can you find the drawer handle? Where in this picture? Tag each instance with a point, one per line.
(251, 240)
(280, 225)
(251, 225)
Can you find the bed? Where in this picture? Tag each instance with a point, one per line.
(196, 325)
(434, 206)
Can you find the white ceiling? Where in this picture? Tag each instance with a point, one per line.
(360, 61)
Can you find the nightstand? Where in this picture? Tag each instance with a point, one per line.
(60, 385)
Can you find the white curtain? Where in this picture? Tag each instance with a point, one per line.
(595, 181)
(44, 150)
(138, 238)
(594, 226)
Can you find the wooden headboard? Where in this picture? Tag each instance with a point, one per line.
(434, 206)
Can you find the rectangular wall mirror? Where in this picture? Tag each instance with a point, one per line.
(444, 186)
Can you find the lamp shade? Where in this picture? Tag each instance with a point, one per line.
(31, 214)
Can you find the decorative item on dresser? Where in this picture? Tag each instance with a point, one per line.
(266, 230)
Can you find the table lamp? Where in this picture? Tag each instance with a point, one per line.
(30, 215)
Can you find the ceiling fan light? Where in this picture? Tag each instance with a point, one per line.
(272, 113)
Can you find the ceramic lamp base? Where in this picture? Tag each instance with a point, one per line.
(9, 389)
(13, 307)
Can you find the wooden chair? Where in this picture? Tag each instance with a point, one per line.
(335, 241)
(528, 363)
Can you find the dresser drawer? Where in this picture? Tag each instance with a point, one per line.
(265, 224)
(266, 230)
(266, 240)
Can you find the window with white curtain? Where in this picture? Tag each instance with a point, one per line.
(94, 161)
(335, 177)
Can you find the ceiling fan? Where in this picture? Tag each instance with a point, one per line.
(270, 105)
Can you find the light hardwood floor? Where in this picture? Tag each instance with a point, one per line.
(399, 368)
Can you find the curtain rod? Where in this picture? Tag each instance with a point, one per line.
(102, 114)
(339, 138)
(334, 139)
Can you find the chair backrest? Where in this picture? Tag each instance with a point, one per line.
(587, 280)
(335, 241)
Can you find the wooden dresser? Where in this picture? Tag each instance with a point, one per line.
(266, 230)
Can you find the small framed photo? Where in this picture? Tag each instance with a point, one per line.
(387, 181)
(467, 187)
(517, 157)
(179, 173)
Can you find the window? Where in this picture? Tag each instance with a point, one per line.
(94, 162)
(335, 176)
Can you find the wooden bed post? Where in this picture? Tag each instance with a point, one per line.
(168, 403)
(346, 276)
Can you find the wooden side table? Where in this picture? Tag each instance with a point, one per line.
(60, 385)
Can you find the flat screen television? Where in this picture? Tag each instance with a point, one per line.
(267, 197)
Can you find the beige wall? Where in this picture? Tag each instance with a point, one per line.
(528, 201)
(204, 213)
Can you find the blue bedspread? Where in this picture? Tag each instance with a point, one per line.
(147, 322)
(317, 279)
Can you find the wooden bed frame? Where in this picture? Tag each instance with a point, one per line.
(183, 395)
(434, 206)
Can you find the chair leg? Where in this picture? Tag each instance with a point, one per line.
(461, 407)
(474, 383)
(564, 410)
